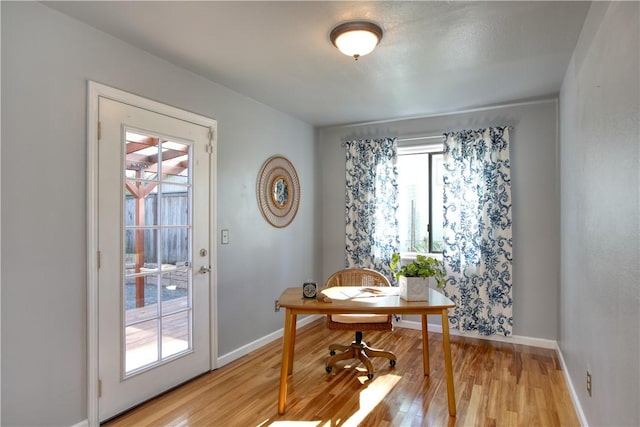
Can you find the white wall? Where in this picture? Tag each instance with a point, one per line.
(536, 210)
(47, 59)
(600, 138)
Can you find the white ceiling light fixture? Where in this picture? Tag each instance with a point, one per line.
(356, 38)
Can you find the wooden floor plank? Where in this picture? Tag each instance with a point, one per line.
(497, 384)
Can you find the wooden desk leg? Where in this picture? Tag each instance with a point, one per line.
(425, 345)
(294, 329)
(448, 366)
(287, 351)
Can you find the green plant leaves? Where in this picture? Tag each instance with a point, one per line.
(423, 266)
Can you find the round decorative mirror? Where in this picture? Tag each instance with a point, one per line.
(278, 191)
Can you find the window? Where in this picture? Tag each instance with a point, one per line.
(420, 192)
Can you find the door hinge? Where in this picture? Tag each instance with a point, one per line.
(99, 131)
(209, 149)
(210, 134)
(99, 388)
(98, 254)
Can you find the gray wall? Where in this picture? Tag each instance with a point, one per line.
(600, 137)
(536, 208)
(47, 59)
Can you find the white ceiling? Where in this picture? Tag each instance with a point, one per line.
(435, 57)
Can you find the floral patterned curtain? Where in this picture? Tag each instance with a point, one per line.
(371, 204)
(477, 230)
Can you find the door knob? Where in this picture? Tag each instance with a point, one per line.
(205, 269)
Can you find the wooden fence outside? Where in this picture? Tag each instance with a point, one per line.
(174, 212)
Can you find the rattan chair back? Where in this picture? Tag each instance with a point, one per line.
(358, 277)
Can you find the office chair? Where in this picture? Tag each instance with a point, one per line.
(358, 349)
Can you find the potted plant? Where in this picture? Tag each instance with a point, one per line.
(413, 278)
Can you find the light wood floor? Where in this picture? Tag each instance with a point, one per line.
(496, 384)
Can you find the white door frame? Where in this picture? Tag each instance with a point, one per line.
(94, 92)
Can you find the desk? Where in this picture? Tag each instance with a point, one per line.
(391, 303)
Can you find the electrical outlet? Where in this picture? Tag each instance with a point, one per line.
(589, 383)
(277, 306)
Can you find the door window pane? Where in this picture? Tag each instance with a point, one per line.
(174, 291)
(140, 298)
(175, 334)
(174, 208)
(141, 345)
(175, 162)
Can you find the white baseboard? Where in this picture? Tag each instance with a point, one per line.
(248, 348)
(514, 339)
(572, 390)
(83, 423)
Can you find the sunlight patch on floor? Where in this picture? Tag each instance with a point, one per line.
(372, 396)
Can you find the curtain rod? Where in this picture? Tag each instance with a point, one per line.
(426, 137)
(419, 138)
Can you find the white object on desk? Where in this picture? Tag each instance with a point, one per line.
(414, 288)
(359, 293)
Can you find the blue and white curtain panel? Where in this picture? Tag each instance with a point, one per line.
(477, 230)
(371, 204)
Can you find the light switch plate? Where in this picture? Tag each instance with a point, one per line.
(225, 237)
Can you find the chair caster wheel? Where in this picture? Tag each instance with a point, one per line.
(332, 353)
(328, 368)
(370, 376)
(392, 363)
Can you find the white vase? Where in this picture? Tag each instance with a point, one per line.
(414, 288)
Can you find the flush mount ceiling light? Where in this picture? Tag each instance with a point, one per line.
(356, 38)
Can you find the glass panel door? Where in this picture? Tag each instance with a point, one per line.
(154, 221)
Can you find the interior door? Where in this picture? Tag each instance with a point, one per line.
(154, 192)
